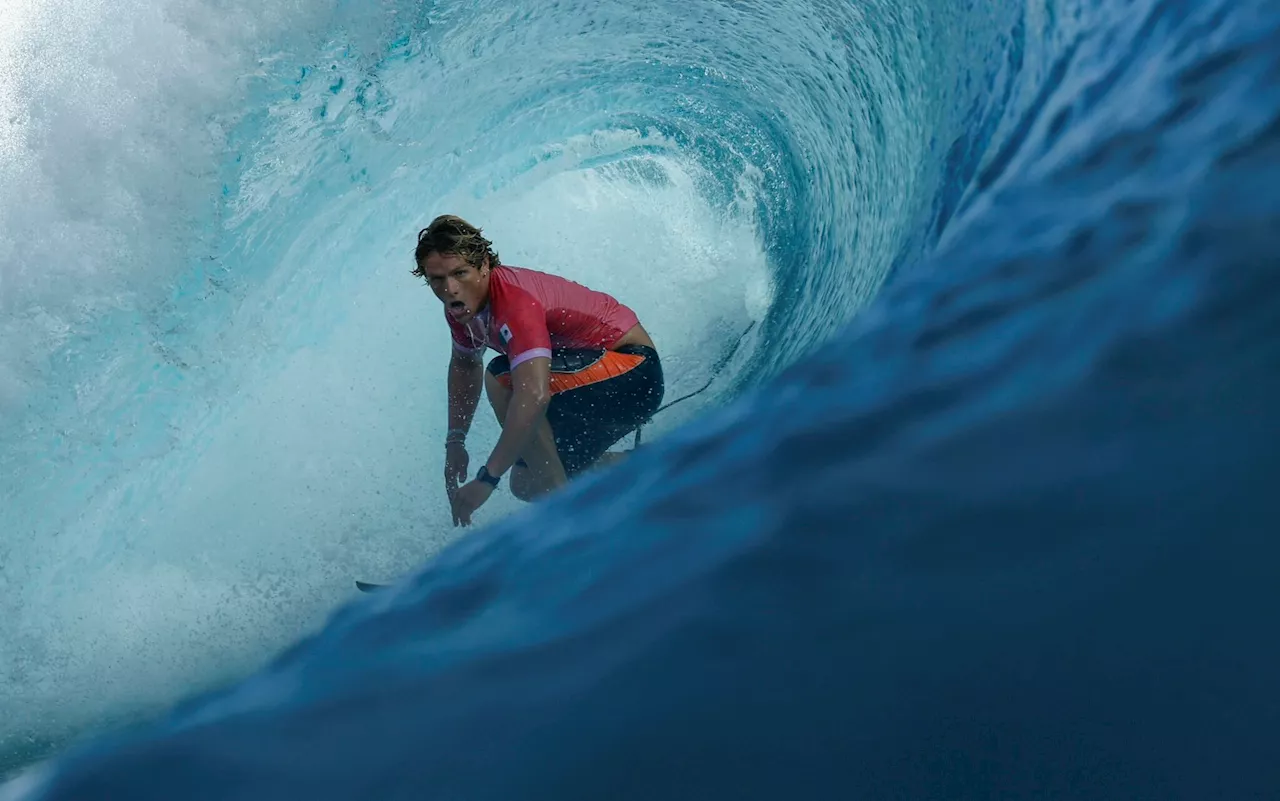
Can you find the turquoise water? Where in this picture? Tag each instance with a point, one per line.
(960, 239)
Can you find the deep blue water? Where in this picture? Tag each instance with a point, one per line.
(981, 506)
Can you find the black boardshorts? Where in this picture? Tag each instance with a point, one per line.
(597, 398)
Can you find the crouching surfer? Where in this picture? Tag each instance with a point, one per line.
(575, 370)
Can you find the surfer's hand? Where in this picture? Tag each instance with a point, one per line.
(456, 464)
(468, 499)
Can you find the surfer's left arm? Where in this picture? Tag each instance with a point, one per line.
(531, 383)
(527, 343)
(531, 392)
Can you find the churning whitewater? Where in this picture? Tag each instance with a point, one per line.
(976, 504)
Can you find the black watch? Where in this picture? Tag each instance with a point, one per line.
(485, 476)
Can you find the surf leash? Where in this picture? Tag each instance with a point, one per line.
(715, 373)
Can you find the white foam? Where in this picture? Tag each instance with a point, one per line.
(326, 464)
(113, 114)
(304, 450)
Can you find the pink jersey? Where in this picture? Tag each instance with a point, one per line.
(531, 312)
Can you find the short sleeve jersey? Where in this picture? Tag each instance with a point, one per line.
(530, 312)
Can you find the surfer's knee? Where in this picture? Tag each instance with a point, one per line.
(499, 396)
(524, 485)
(497, 378)
(493, 386)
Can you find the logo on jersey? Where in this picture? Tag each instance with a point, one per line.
(505, 333)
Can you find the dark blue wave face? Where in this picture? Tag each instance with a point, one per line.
(1008, 533)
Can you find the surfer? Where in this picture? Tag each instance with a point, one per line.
(576, 370)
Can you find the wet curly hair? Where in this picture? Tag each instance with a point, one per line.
(450, 235)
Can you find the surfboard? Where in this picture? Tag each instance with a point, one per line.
(368, 586)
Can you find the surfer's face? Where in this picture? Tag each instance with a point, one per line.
(461, 287)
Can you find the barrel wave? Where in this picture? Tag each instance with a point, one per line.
(975, 503)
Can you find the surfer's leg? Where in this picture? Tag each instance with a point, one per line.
(593, 417)
(539, 469)
(542, 470)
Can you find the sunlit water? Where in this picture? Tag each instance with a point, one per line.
(1006, 277)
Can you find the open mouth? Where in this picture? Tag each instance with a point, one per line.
(457, 307)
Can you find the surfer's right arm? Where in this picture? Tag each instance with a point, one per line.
(466, 379)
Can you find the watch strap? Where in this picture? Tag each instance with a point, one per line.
(487, 477)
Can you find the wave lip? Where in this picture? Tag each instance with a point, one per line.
(214, 374)
(1084, 174)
